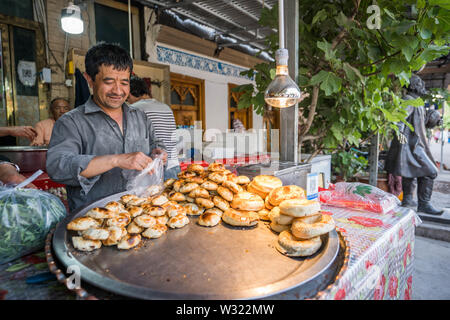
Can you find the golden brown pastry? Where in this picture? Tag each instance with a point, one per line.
(100, 213)
(312, 227)
(135, 211)
(208, 219)
(215, 211)
(240, 218)
(159, 200)
(178, 184)
(155, 231)
(199, 193)
(197, 168)
(178, 221)
(285, 193)
(242, 180)
(277, 217)
(279, 227)
(205, 203)
(193, 209)
(209, 185)
(216, 166)
(133, 228)
(82, 223)
(217, 177)
(225, 193)
(129, 241)
(176, 196)
(263, 184)
(267, 203)
(169, 183)
(95, 233)
(188, 187)
(221, 203)
(247, 201)
(256, 191)
(234, 187)
(162, 219)
(127, 197)
(176, 210)
(299, 207)
(197, 180)
(186, 174)
(115, 206)
(264, 214)
(291, 246)
(115, 234)
(136, 201)
(120, 220)
(145, 221)
(85, 245)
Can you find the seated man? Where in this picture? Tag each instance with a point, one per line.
(58, 107)
(162, 119)
(97, 147)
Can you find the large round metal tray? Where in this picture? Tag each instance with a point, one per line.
(195, 262)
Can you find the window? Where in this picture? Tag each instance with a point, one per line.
(187, 99)
(244, 115)
(22, 9)
(111, 25)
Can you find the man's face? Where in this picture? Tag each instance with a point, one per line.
(110, 86)
(132, 99)
(59, 107)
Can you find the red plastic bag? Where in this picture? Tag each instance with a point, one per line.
(359, 196)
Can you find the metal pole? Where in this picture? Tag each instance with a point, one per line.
(289, 116)
(129, 29)
(373, 160)
(441, 169)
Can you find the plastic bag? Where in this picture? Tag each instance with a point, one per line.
(359, 196)
(26, 217)
(147, 184)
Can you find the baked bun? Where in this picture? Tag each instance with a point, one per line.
(197, 180)
(115, 206)
(145, 221)
(293, 247)
(136, 201)
(263, 184)
(225, 193)
(277, 217)
(120, 220)
(175, 210)
(208, 219)
(199, 193)
(247, 201)
(177, 185)
(193, 209)
(242, 180)
(205, 203)
(299, 207)
(177, 196)
(189, 199)
(156, 211)
(155, 231)
(209, 185)
(135, 211)
(197, 168)
(279, 227)
(169, 183)
(178, 221)
(264, 214)
(129, 241)
(115, 234)
(217, 177)
(159, 200)
(162, 220)
(85, 245)
(240, 218)
(216, 166)
(215, 211)
(100, 213)
(312, 227)
(95, 233)
(221, 203)
(267, 204)
(186, 174)
(127, 197)
(284, 193)
(234, 187)
(188, 187)
(133, 228)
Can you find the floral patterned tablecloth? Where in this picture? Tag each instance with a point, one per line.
(380, 263)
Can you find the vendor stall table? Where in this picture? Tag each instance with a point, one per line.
(380, 265)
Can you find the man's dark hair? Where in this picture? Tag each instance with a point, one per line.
(138, 87)
(108, 54)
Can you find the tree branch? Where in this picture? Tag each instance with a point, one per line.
(312, 110)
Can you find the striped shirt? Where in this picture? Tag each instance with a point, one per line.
(163, 123)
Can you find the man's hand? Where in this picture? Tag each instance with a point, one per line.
(133, 161)
(22, 131)
(160, 153)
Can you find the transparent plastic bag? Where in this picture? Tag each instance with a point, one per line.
(146, 183)
(359, 196)
(26, 217)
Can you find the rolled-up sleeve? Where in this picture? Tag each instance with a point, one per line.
(65, 160)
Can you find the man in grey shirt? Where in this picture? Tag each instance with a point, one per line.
(98, 146)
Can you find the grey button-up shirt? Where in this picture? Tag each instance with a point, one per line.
(86, 132)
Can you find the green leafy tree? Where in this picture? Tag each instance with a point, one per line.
(351, 71)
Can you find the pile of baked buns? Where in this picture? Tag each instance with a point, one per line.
(214, 194)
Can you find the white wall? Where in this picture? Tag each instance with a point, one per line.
(216, 91)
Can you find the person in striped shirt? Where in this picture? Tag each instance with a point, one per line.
(161, 116)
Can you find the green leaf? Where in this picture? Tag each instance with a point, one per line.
(408, 52)
(320, 16)
(17, 267)
(425, 33)
(352, 73)
(273, 73)
(326, 47)
(413, 102)
(442, 3)
(329, 82)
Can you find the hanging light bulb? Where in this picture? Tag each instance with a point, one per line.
(282, 92)
(71, 21)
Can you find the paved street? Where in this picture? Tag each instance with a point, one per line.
(431, 277)
(436, 152)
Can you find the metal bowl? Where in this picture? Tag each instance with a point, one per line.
(29, 159)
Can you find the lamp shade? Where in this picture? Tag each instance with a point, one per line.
(282, 92)
(71, 20)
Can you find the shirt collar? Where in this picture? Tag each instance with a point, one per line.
(90, 106)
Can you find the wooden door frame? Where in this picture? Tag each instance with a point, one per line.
(201, 84)
(249, 110)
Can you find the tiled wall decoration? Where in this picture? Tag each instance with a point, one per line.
(180, 58)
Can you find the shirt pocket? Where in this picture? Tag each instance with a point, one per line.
(139, 145)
